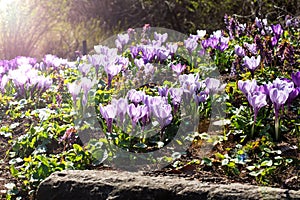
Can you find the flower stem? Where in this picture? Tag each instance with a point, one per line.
(253, 125)
(276, 127)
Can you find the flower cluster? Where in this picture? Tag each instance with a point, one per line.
(25, 78)
(279, 93)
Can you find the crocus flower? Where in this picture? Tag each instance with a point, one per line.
(201, 97)
(139, 62)
(247, 87)
(223, 43)
(293, 95)
(108, 112)
(121, 106)
(252, 63)
(86, 85)
(176, 95)
(135, 96)
(148, 53)
(96, 60)
(178, 68)
(74, 89)
(136, 113)
(213, 42)
(151, 102)
(163, 113)
(213, 86)
(84, 68)
(189, 83)
(111, 71)
(160, 37)
(121, 41)
(257, 100)
(278, 98)
(238, 50)
(172, 47)
(201, 33)
(163, 91)
(274, 41)
(284, 85)
(296, 78)
(149, 69)
(277, 30)
(134, 51)
(3, 83)
(190, 44)
(162, 54)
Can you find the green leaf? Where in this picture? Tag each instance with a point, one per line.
(77, 147)
(250, 168)
(13, 171)
(206, 161)
(219, 155)
(268, 163)
(255, 173)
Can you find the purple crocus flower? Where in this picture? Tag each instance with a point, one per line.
(213, 86)
(84, 68)
(213, 42)
(172, 47)
(136, 96)
(136, 113)
(296, 78)
(134, 50)
(189, 83)
(139, 62)
(190, 44)
(176, 96)
(74, 89)
(282, 84)
(151, 102)
(238, 50)
(111, 71)
(108, 112)
(86, 85)
(96, 60)
(160, 37)
(205, 43)
(163, 114)
(163, 91)
(121, 41)
(162, 54)
(44, 83)
(223, 43)
(257, 100)
(274, 40)
(149, 69)
(121, 106)
(3, 83)
(277, 30)
(247, 87)
(148, 53)
(252, 63)
(201, 97)
(178, 68)
(278, 98)
(293, 95)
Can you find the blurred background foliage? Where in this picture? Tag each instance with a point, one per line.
(38, 27)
